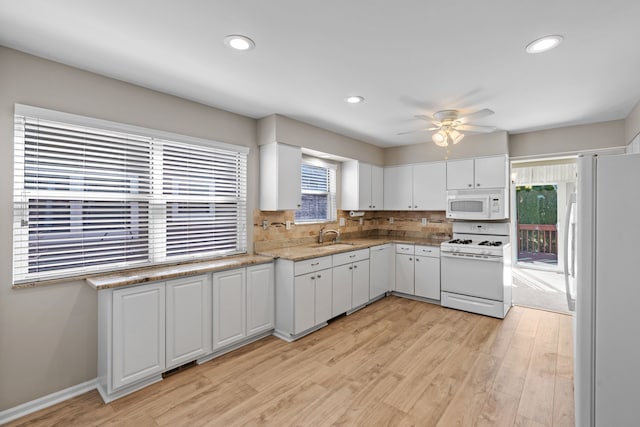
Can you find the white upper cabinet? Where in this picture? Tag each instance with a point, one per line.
(362, 186)
(430, 186)
(415, 187)
(398, 188)
(481, 172)
(280, 174)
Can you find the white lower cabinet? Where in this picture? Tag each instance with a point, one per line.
(303, 296)
(188, 319)
(260, 299)
(350, 281)
(229, 305)
(405, 279)
(138, 333)
(145, 330)
(427, 272)
(418, 270)
(382, 276)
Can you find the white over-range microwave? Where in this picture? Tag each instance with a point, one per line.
(477, 204)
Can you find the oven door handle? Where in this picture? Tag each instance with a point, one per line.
(475, 257)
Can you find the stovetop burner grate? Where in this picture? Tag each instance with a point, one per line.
(460, 241)
(489, 243)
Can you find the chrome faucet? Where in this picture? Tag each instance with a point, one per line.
(323, 232)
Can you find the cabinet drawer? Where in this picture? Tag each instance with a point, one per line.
(353, 256)
(311, 265)
(431, 251)
(404, 249)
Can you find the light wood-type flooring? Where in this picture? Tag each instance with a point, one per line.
(396, 362)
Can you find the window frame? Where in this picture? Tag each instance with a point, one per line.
(332, 208)
(155, 197)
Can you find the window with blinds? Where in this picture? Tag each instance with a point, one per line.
(318, 192)
(91, 199)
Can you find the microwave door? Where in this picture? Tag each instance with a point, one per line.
(469, 207)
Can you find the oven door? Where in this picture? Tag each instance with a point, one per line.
(468, 207)
(474, 275)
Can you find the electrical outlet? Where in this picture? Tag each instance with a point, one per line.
(361, 221)
(341, 222)
(391, 220)
(424, 221)
(265, 224)
(287, 225)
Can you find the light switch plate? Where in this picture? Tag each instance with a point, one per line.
(341, 222)
(287, 225)
(391, 220)
(361, 221)
(424, 221)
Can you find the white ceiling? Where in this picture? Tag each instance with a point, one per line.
(406, 57)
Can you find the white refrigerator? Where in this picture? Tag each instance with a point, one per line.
(607, 291)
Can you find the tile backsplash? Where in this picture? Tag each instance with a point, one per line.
(374, 223)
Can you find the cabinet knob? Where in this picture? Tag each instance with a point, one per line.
(478, 185)
(416, 206)
(467, 184)
(417, 259)
(409, 206)
(373, 207)
(410, 259)
(355, 266)
(319, 276)
(313, 277)
(298, 204)
(350, 268)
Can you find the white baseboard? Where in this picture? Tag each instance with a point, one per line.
(46, 401)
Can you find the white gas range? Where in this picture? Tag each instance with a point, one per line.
(476, 268)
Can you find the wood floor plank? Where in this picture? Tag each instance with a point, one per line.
(397, 362)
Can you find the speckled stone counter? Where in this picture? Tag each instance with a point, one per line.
(152, 274)
(302, 252)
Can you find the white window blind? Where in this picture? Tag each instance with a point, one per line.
(89, 200)
(318, 192)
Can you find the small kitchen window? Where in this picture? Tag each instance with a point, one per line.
(318, 192)
(93, 196)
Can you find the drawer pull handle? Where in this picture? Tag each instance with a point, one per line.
(315, 263)
(352, 256)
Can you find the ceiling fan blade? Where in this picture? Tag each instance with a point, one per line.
(425, 117)
(476, 128)
(419, 130)
(475, 115)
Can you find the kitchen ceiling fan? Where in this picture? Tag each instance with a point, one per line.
(450, 126)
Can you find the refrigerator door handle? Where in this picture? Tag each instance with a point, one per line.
(571, 301)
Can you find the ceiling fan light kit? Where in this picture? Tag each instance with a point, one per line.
(448, 125)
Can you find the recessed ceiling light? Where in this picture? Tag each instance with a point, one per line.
(239, 42)
(543, 44)
(354, 99)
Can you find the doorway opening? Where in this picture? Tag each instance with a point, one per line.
(541, 191)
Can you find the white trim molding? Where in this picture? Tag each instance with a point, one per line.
(46, 401)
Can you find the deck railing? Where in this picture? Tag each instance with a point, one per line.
(538, 238)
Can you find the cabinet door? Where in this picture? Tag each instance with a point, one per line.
(460, 174)
(377, 188)
(427, 277)
(404, 274)
(380, 270)
(188, 322)
(138, 333)
(360, 283)
(280, 171)
(260, 298)
(342, 276)
(364, 187)
(430, 186)
(229, 304)
(304, 302)
(491, 172)
(323, 296)
(398, 188)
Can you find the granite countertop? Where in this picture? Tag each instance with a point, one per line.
(151, 274)
(303, 252)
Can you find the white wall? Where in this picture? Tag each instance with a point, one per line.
(278, 128)
(632, 124)
(568, 140)
(48, 334)
(470, 146)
